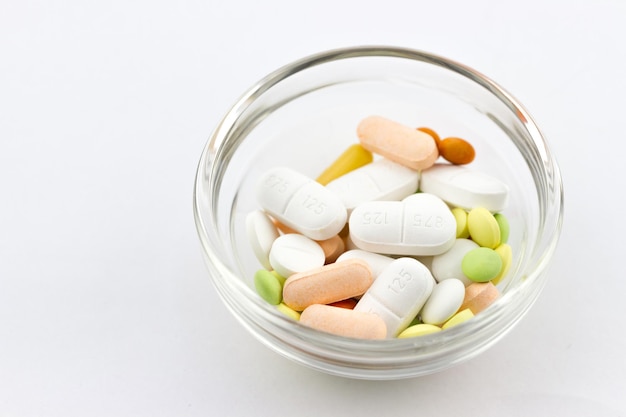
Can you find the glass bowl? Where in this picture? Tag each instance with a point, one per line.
(304, 115)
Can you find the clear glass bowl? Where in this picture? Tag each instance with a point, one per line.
(304, 115)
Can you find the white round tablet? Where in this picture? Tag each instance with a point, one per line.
(261, 233)
(293, 253)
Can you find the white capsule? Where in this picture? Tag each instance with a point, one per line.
(293, 253)
(376, 262)
(380, 180)
(459, 186)
(398, 294)
(421, 224)
(261, 233)
(301, 203)
(444, 302)
(448, 264)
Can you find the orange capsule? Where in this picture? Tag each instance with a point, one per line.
(457, 151)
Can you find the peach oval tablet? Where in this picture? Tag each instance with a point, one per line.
(327, 284)
(402, 144)
(479, 296)
(344, 322)
(332, 248)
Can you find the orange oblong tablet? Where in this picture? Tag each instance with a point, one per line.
(327, 284)
(344, 322)
(402, 144)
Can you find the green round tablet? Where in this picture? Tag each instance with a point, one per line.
(504, 227)
(481, 264)
(268, 286)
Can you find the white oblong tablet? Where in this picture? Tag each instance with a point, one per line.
(293, 253)
(398, 294)
(376, 261)
(420, 225)
(428, 224)
(444, 302)
(261, 232)
(301, 203)
(462, 187)
(448, 264)
(376, 226)
(382, 179)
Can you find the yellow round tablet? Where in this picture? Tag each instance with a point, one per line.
(458, 318)
(506, 254)
(460, 215)
(418, 330)
(288, 311)
(483, 227)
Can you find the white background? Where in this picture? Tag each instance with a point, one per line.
(105, 304)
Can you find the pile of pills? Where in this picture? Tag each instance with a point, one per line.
(389, 241)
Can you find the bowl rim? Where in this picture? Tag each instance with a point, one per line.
(220, 133)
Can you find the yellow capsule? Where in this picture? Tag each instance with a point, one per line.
(352, 158)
